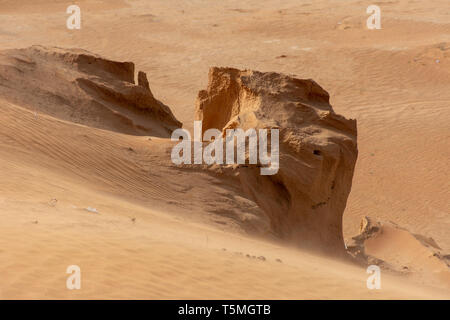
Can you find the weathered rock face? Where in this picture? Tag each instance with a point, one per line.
(306, 199)
(389, 246)
(78, 86)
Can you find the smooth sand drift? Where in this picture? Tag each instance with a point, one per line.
(162, 232)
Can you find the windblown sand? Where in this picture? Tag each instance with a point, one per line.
(153, 236)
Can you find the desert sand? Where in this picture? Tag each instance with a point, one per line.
(94, 186)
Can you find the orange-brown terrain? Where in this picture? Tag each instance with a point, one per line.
(87, 179)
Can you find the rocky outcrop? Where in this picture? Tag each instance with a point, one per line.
(306, 199)
(389, 246)
(355, 247)
(78, 86)
(142, 80)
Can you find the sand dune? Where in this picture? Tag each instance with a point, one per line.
(137, 246)
(167, 232)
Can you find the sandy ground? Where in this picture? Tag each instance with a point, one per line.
(149, 240)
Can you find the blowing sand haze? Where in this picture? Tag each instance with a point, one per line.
(334, 184)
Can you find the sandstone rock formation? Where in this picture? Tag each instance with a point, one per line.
(306, 199)
(394, 248)
(78, 86)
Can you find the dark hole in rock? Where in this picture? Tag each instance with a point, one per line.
(317, 152)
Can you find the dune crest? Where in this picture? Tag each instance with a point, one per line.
(305, 200)
(78, 86)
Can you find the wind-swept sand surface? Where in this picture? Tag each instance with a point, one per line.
(162, 232)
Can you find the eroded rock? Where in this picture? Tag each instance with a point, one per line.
(389, 246)
(305, 200)
(79, 86)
